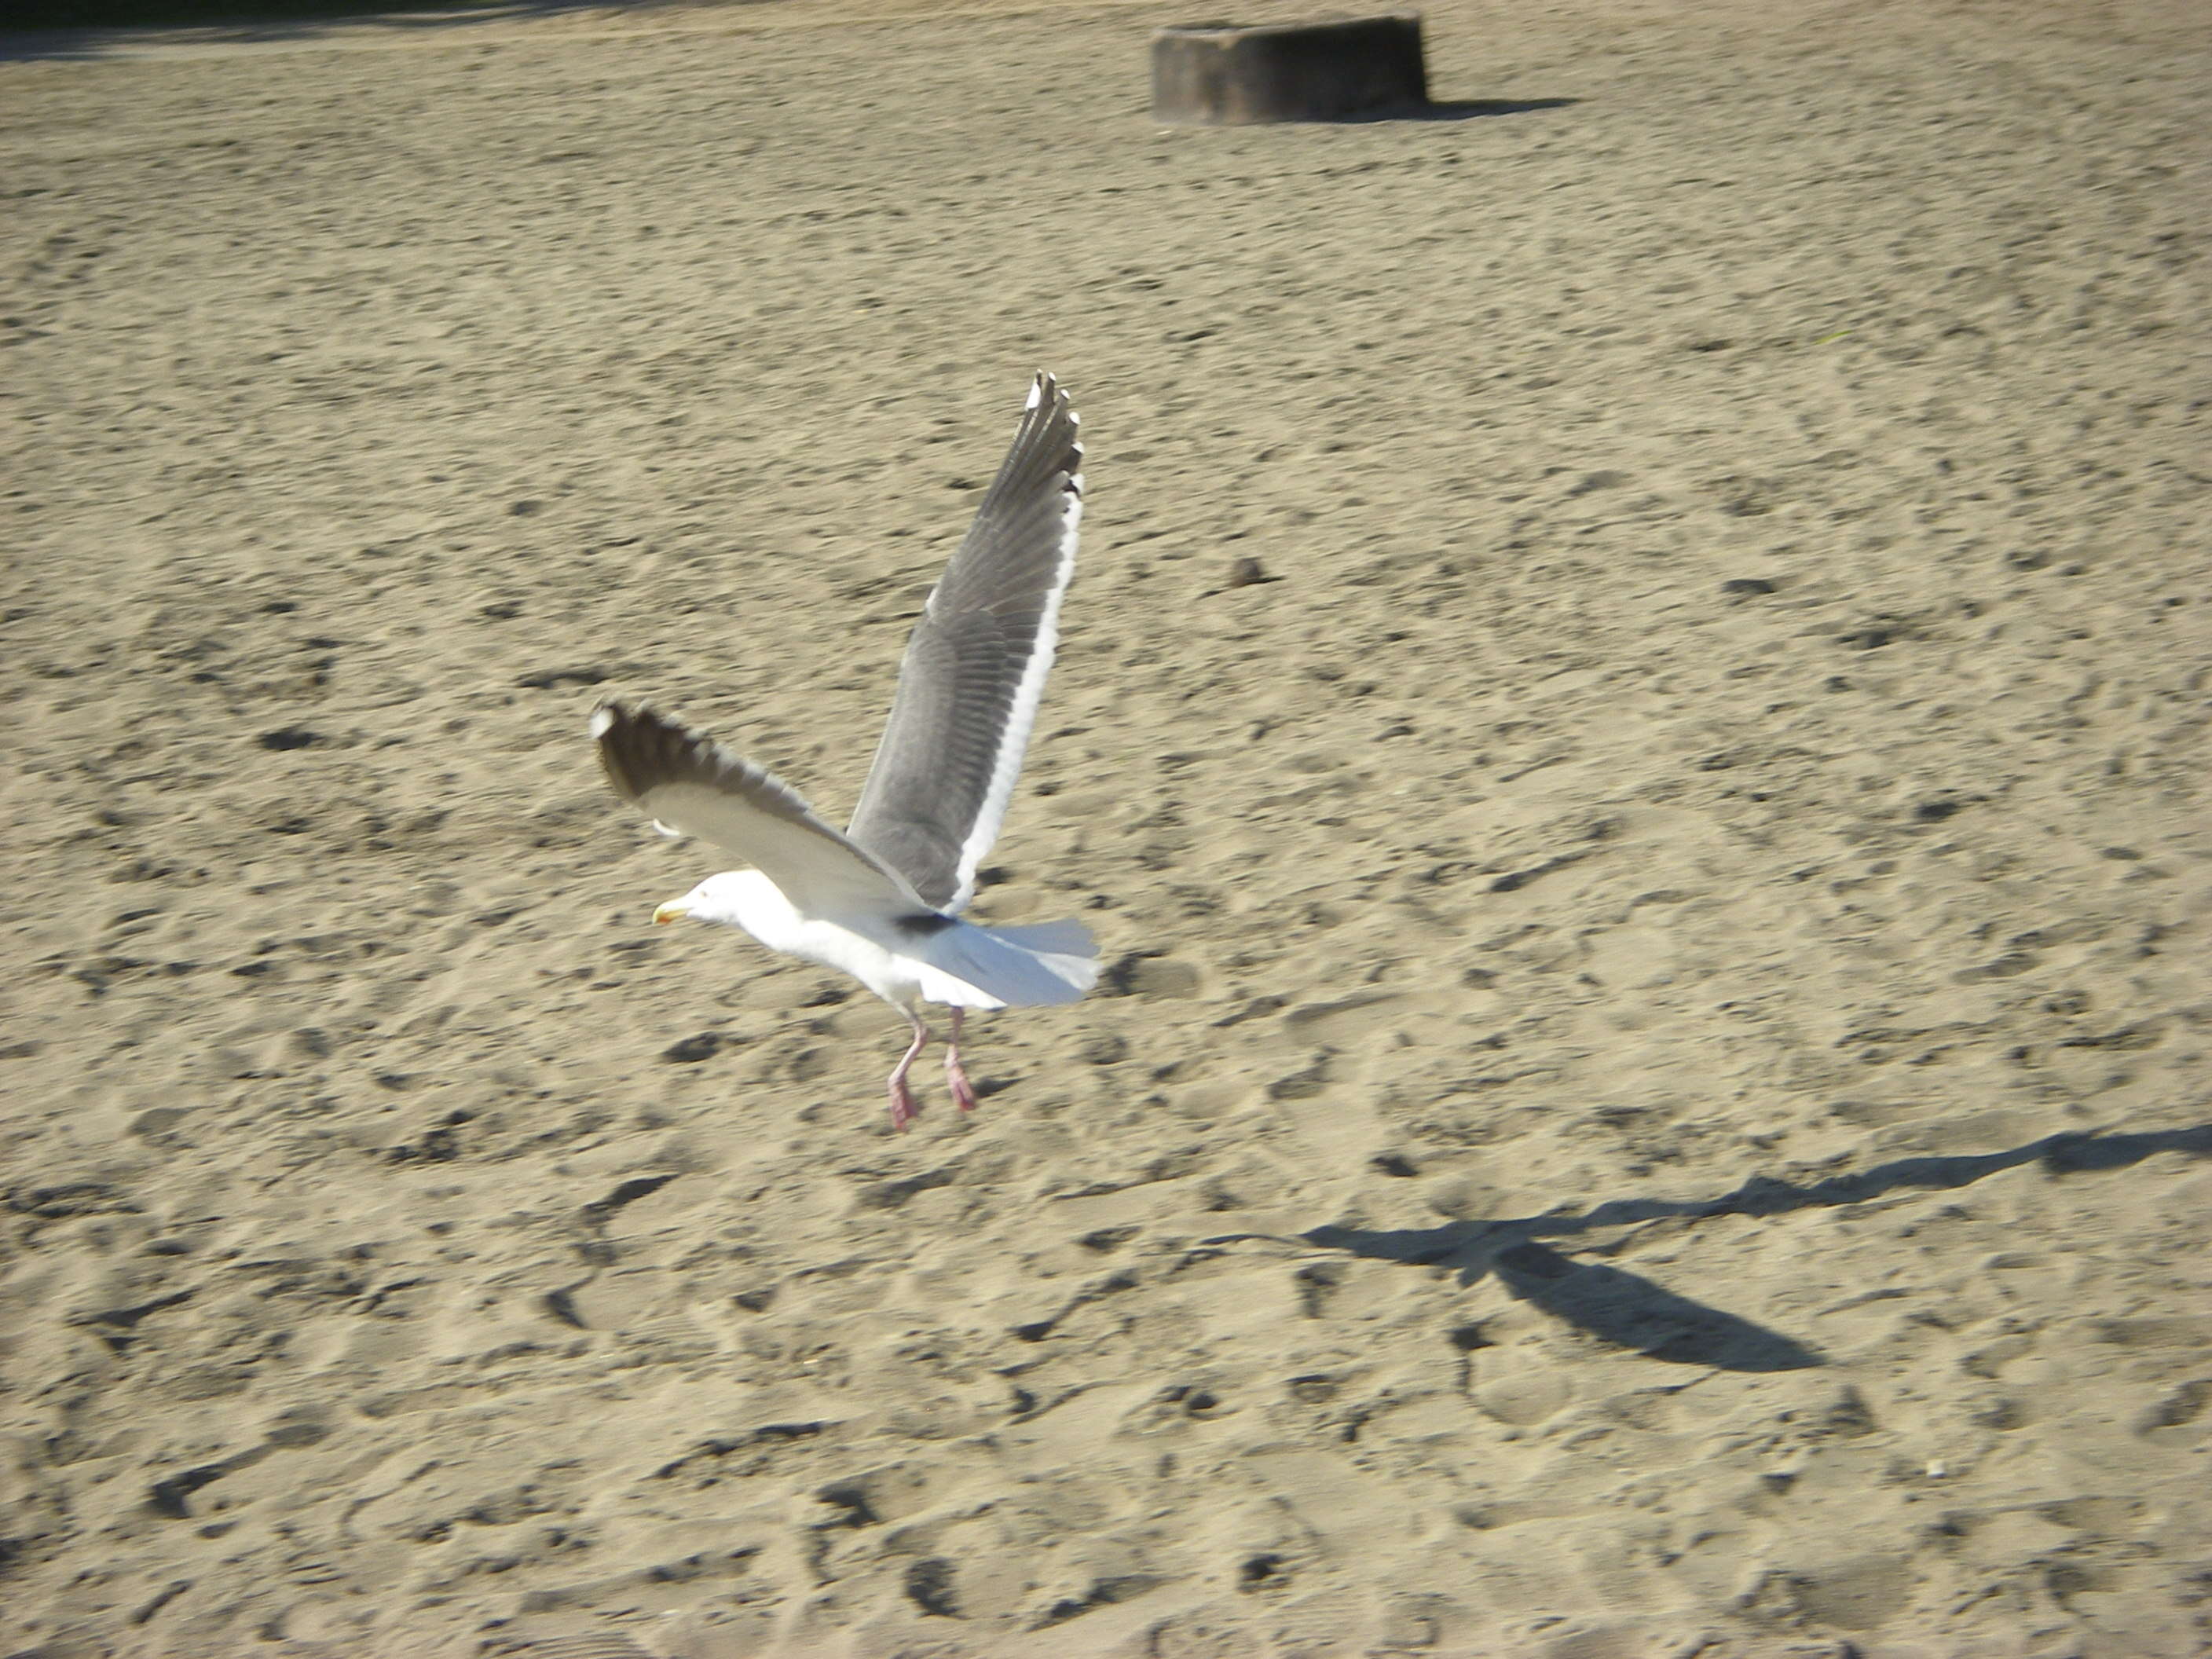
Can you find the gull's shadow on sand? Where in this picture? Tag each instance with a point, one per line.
(1625, 1312)
(1445, 109)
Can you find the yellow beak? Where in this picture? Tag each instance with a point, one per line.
(674, 910)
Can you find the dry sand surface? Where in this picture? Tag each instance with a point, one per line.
(1650, 1097)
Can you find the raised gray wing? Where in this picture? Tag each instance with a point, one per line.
(692, 786)
(975, 666)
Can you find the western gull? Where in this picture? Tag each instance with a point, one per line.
(882, 901)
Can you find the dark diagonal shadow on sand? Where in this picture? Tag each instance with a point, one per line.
(1466, 109)
(1626, 1311)
(1442, 109)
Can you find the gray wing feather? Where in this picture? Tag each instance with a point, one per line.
(686, 780)
(975, 665)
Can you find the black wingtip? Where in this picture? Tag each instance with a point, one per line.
(641, 748)
(615, 731)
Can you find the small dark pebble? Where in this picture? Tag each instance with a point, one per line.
(439, 1145)
(290, 736)
(524, 509)
(693, 1049)
(1261, 1570)
(1246, 572)
(1746, 587)
(563, 1306)
(929, 1587)
(628, 1192)
(169, 1497)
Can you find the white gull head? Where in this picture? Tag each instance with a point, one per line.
(735, 898)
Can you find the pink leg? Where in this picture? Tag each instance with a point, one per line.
(903, 1110)
(963, 1092)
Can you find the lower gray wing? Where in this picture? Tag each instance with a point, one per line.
(975, 668)
(691, 786)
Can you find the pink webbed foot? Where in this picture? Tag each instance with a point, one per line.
(956, 1075)
(903, 1110)
(963, 1092)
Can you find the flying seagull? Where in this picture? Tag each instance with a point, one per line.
(882, 902)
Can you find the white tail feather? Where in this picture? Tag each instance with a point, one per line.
(972, 967)
(1064, 937)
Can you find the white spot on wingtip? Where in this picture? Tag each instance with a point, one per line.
(668, 829)
(1036, 393)
(603, 720)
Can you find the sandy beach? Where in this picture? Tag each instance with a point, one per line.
(1649, 1096)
